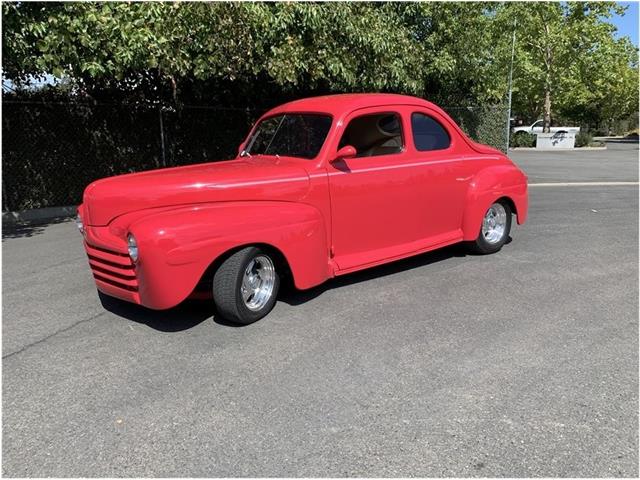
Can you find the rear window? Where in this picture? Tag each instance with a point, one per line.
(428, 134)
(291, 134)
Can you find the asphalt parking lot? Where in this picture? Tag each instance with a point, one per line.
(522, 363)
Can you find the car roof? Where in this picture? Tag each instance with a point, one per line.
(348, 102)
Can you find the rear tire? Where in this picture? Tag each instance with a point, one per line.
(495, 229)
(246, 285)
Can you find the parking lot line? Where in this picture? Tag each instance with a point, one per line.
(584, 184)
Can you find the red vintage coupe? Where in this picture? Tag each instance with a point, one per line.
(321, 187)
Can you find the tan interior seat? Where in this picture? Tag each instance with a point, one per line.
(369, 139)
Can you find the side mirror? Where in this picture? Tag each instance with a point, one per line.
(346, 152)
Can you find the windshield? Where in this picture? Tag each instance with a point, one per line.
(290, 134)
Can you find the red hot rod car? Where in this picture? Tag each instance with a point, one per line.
(320, 187)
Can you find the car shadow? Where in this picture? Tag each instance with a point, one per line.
(185, 316)
(292, 296)
(192, 313)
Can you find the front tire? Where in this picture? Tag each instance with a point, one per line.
(246, 285)
(495, 228)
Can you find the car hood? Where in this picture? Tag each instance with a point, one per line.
(256, 178)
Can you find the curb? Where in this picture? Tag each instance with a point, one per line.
(38, 215)
(579, 149)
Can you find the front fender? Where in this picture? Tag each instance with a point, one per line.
(489, 185)
(176, 246)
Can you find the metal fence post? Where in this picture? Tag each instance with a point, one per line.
(164, 158)
(5, 201)
(513, 52)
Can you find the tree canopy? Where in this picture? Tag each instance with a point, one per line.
(567, 56)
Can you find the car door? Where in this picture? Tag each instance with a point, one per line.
(377, 197)
(445, 169)
(537, 127)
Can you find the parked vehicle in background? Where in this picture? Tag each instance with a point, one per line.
(321, 187)
(536, 127)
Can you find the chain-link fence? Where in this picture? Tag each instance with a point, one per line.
(52, 151)
(484, 124)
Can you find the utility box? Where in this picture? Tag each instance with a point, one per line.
(560, 140)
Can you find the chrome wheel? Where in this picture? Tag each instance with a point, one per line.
(494, 224)
(258, 282)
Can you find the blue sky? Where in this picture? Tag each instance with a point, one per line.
(628, 24)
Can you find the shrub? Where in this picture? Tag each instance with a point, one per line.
(522, 139)
(584, 139)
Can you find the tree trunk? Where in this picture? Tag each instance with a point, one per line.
(546, 128)
(174, 89)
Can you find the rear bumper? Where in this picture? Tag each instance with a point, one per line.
(520, 196)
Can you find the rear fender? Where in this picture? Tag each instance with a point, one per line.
(489, 185)
(177, 246)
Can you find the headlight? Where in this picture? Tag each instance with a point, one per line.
(79, 223)
(133, 247)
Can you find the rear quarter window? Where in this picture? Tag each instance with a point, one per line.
(428, 133)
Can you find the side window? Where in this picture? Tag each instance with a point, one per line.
(428, 134)
(372, 135)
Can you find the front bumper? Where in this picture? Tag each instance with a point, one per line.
(113, 270)
(151, 282)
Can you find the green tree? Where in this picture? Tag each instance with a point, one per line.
(567, 59)
(564, 52)
(606, 88)
(443, 49)
(345, 46)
